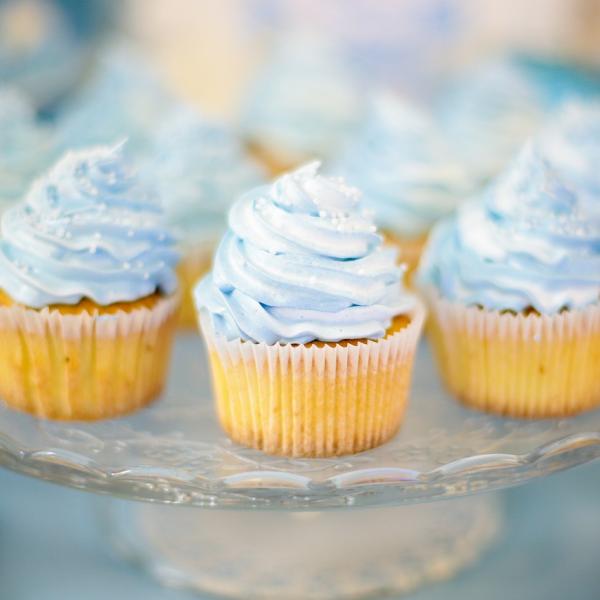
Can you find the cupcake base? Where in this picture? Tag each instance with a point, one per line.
(521, 365)
(85, 361)
(317, 399)
(410, 250)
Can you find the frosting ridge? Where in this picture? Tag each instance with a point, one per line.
(86, 229)
(404, 167)
(200, 168)
(532, 241)
(302, 261)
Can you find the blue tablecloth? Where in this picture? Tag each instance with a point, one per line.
(50, 548)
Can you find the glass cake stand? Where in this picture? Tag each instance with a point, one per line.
(238, 523)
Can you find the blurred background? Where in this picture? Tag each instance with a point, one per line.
(208, 52)
(67, 55)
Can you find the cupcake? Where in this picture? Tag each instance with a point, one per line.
(310, 335)
(200, 167)
(301, 106)
(123, 98)
(514, 287)
(88, 297)
(406, 171)
(26, 146)
(488, 113)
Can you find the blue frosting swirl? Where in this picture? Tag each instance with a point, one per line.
(304, 103)
(25, 146)
(488, 114)
(404, 167)
(302, 261)
(86, 230)
(572, 144)
(124, 98)
(200, 168)
(533, 241)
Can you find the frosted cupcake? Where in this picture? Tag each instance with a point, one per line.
(488, 114)
(301, 106)
(310, 335)
(406, 172)
(200, 168)
(123, 98)
(25, 147)
(514, 286)
(87, 292)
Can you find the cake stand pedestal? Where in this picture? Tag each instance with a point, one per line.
(235, 522)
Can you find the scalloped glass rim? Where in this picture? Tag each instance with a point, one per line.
(175, 453)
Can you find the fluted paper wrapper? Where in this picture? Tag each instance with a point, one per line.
(515, 364)
(196, 262)
(84, 366)
(313, 399)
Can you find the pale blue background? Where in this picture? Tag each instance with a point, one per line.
(50, 548)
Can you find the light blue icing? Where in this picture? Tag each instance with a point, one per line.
(533, 240)
(404, 167)
(86, 230)
(488, 114)
(200, 168)
(304, 103)
(571, 141)
(123, 99)
(302, 261)
(25, 146)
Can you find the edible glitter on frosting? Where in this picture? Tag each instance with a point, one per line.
(302, 261)
(86, 229)
(533, 240)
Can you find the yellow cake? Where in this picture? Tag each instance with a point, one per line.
(85, 361)
(522, 365)
(316, 399)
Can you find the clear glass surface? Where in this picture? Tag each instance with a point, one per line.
(174, 452)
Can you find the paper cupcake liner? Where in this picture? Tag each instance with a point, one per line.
(314, 399)
(196, 262)
(410, 251)
(84, 366)
(518, 365)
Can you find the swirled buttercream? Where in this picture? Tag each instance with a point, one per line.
(404, 167)
(86, 230)
(304, 103)
(302, 261)
(200, 168)
(532, 241)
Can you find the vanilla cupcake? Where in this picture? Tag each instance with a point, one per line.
(301, 106)
(200, 167)
(25, 148)
(87, 292)
(514, 286)
(310, 335)
(406, 171)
